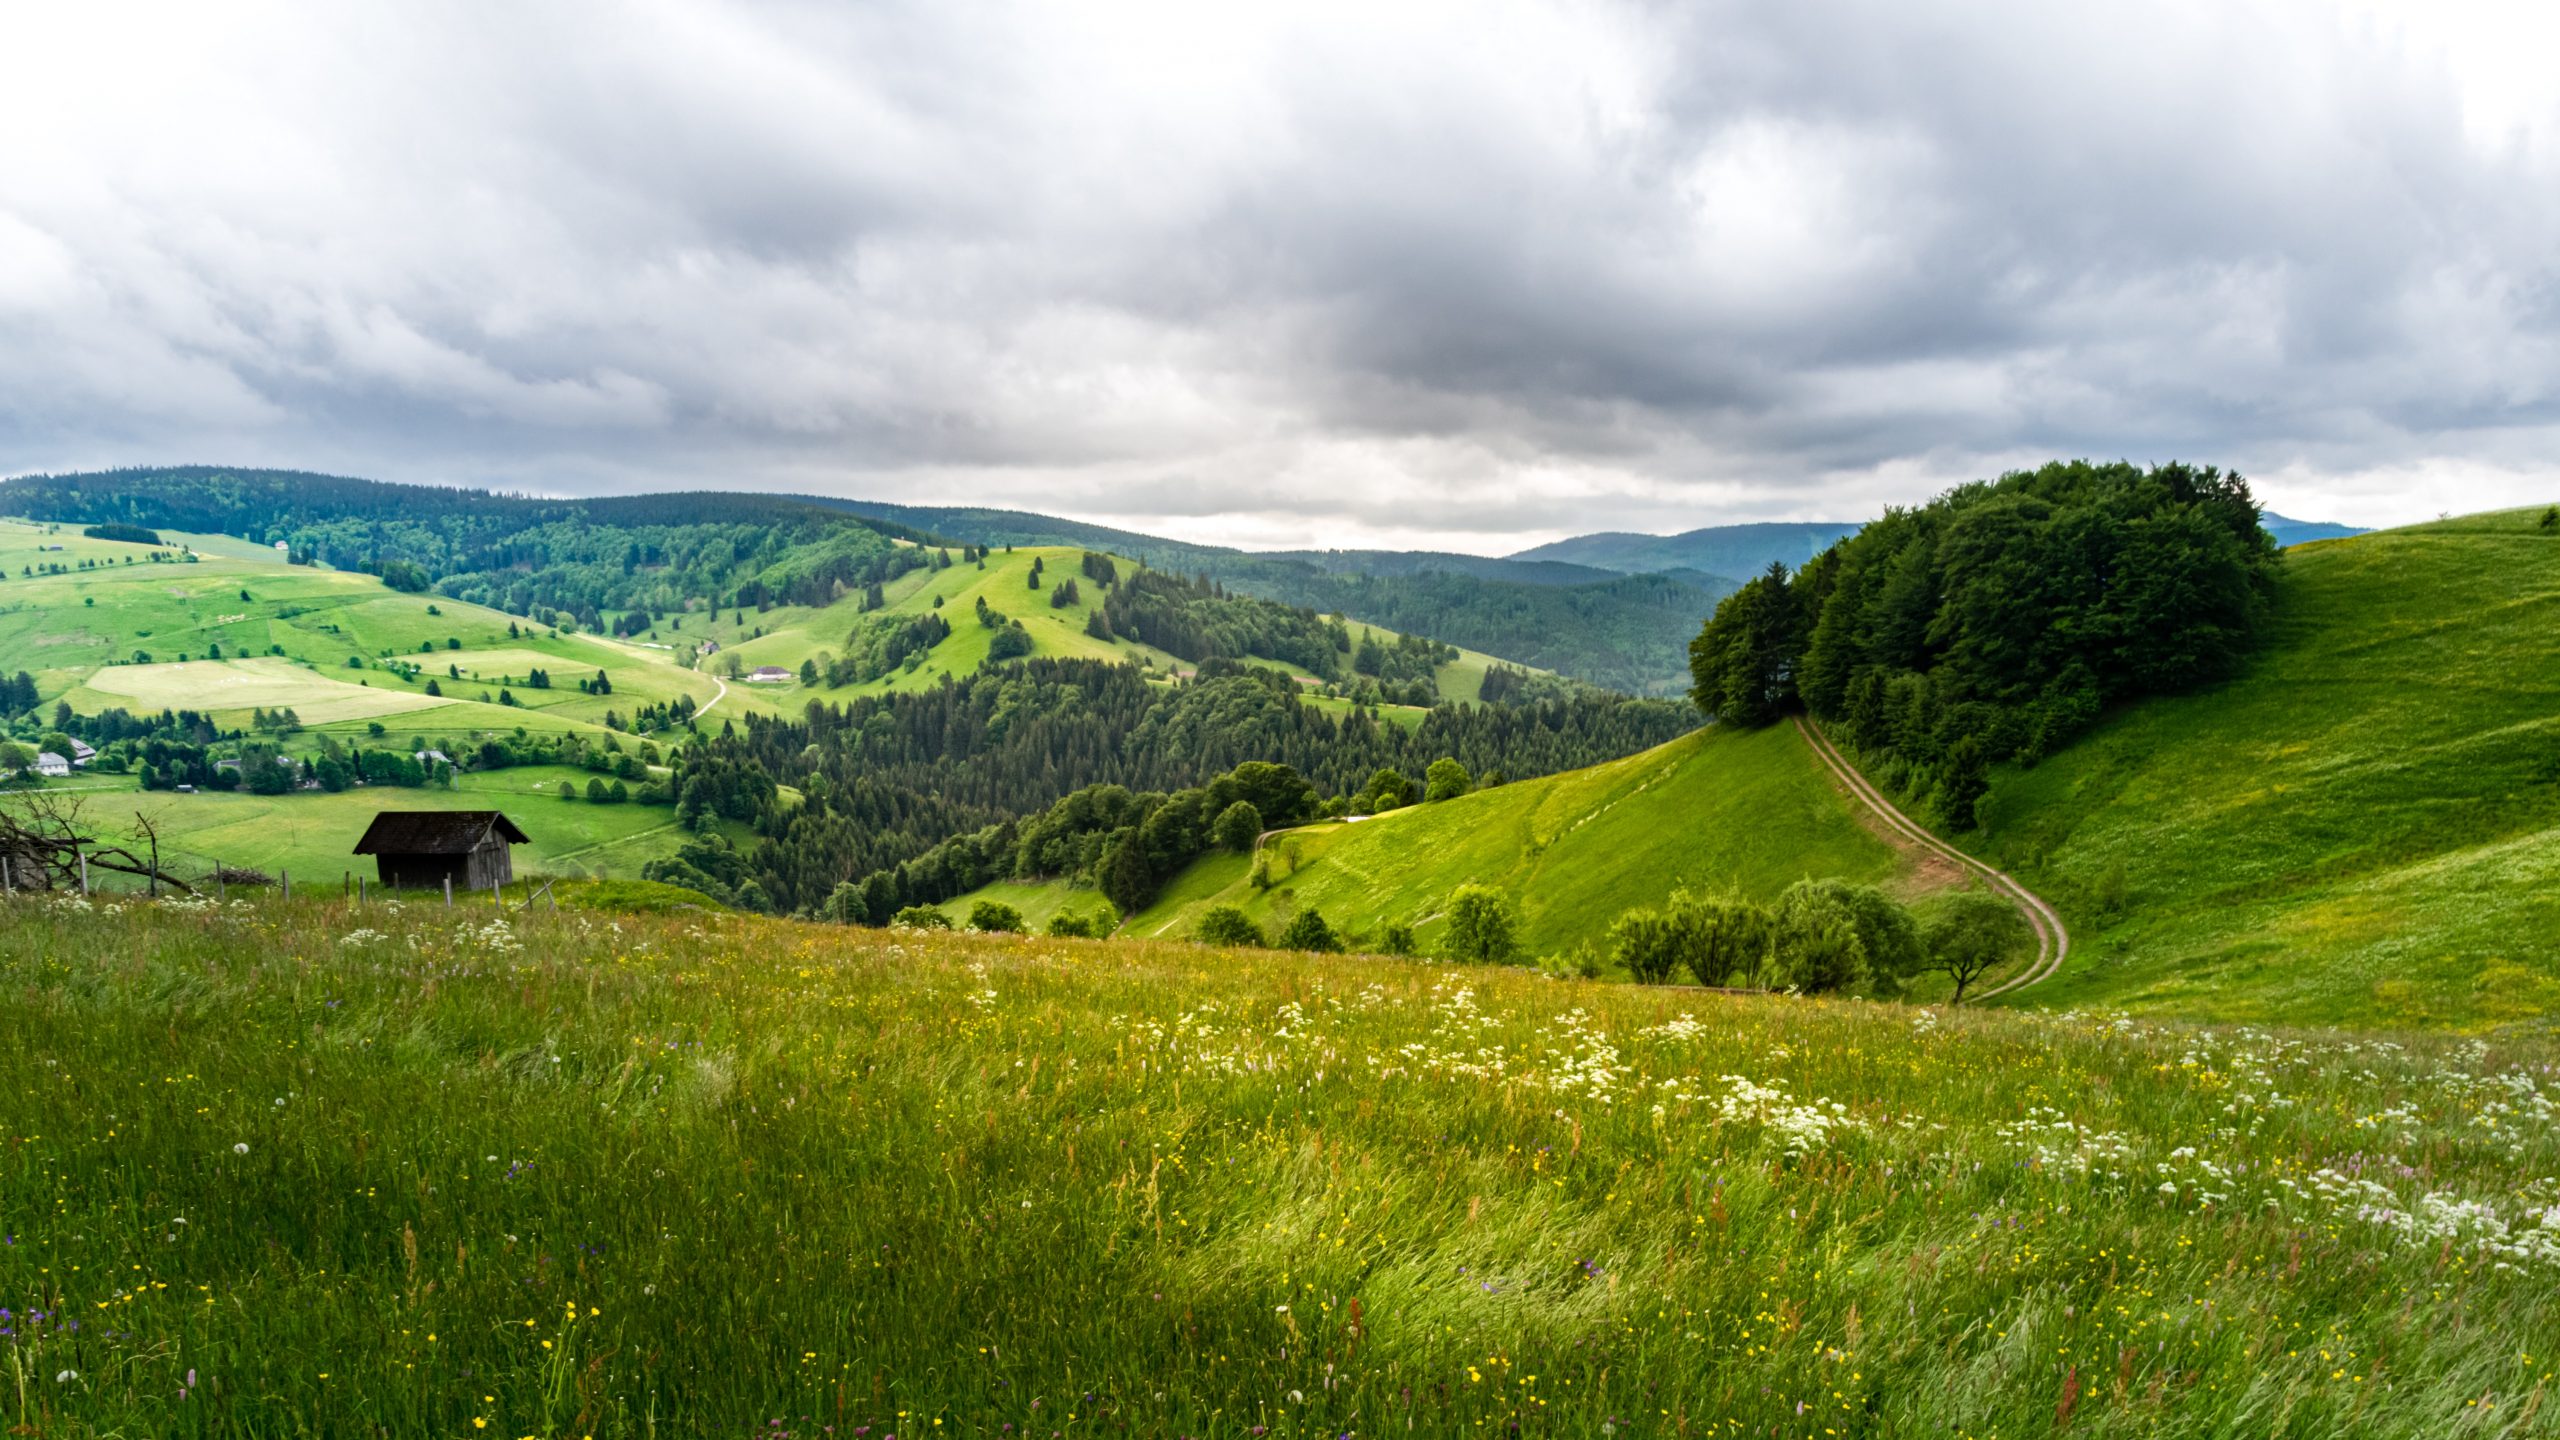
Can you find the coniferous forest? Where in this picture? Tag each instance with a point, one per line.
(885, 781)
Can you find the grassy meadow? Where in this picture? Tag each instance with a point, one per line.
(80, 634)
(302, 1170)
(311, 833)
(1718, 808)
(787, 635)
(2363, 829)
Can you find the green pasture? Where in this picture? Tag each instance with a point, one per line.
(311, 832)
(80, 634)
(312, 1170)
(2363, 829)
(1713, 810)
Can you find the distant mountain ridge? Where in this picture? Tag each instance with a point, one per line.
(1736, 552)
(2296, 532)
(988, 526)
(1626, 630)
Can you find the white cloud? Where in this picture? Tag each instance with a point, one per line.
(1466, 275)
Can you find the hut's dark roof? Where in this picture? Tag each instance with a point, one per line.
(434, 832)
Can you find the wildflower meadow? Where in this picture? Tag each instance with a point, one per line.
(295, 1169)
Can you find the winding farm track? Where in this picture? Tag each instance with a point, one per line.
(2053, 942)
(627, 650)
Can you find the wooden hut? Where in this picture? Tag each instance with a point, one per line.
(428, 847)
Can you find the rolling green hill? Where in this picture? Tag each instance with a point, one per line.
(143, 634)
(786, 636)
(84, 635)
(312, 834)
(1717, 808)
(2364, 828)
(1623, 631)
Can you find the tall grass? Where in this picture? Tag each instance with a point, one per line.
(2365, 826)
(297, 1170)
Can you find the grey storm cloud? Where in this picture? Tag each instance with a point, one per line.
(1469, 274)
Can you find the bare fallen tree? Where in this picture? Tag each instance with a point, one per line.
(46, 839)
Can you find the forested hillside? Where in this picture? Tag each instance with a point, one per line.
(643, 555)
(1739, 551)
(651, 554)
(885, 779)
(1998, 621)
(1624, 632)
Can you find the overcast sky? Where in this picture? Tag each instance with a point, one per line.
(1472, 275)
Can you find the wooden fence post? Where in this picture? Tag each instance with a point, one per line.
(288, 883)
(448, 890)
(84, 868)
(221, 883)
(362, 882)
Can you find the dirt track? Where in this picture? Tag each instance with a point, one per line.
(2053, 942)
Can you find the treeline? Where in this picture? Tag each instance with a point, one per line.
(129, 534)
(559, 561)
(1127, 844)
(886, 778)
(1997, 621)
(1626, 632)
(1623, 632)
(1821, 936)
(1197, 619)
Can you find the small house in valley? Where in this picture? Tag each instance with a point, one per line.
(50, 764)
(425, 848)
(769, 675)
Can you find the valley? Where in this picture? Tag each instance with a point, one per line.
(2197, 849)
(687, 1158)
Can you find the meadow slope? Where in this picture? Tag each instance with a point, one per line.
(2363, 829)
(334, 646)
(304, 1170)
(1715, 809)
(81, 634)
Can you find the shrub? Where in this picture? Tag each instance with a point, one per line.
(1012, 642)
(1722, 939)
(1582, 962)
(1888, 941)
(1307, 930)
(1069, 925)
(1970, 933)
(1387, 790)
(1227, 925)
(1484, 927)
(1445, 780)
(1649, 945)
(1395, 939)
(920, 917)
(994, 917)
(1237, 827)
(1815, 940)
